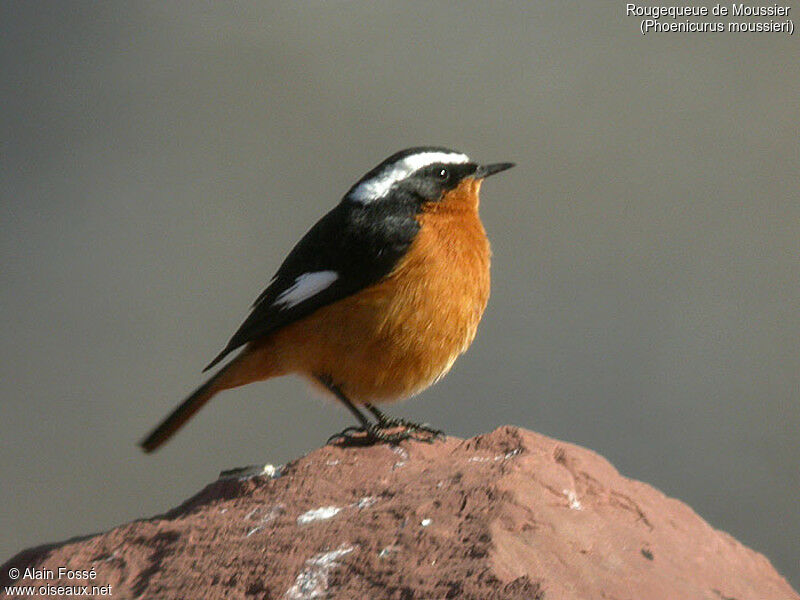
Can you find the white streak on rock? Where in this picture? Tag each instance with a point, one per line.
(388, 550)
(254, 530)
(574, 503)
(403, 454)
(312, 582)
(366, 502)
(318, 514)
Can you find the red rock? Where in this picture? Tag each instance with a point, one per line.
(510, 514)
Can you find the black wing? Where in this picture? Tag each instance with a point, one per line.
(361, 244)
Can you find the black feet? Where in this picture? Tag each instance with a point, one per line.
(387, 422)
(368, 436)
(378, 434)
(381, 432)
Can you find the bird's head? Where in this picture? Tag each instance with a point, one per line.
(424, 177)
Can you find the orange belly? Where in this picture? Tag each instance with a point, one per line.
(396, 338)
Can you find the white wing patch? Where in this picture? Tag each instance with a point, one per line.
(379, 186)
(304, 287)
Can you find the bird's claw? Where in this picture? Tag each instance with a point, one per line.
(387, 422)
(379, 434)
(412, 427)
(345, 434)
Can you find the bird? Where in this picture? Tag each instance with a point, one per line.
(376, 302)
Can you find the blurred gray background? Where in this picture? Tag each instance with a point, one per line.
(158, 162)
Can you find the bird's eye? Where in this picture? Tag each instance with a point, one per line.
(443, 174)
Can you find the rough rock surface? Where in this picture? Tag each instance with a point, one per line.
(510, 514)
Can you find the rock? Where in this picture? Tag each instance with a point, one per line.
(509, 515)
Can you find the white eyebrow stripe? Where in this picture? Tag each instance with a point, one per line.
(304, 287)
(379, 186)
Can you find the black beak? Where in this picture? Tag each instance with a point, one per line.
(485, 170)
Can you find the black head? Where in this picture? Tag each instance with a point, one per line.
(420, 174)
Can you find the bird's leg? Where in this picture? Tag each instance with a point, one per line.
(373, 433)
(387, 422)
(336, 391)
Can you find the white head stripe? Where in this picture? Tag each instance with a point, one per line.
(304, 287)
(378, 186)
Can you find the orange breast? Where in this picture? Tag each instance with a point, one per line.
(399, 336)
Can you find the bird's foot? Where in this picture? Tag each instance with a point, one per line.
(380, 434)
(387, 422)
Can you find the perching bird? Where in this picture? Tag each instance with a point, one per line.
(377, 300)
